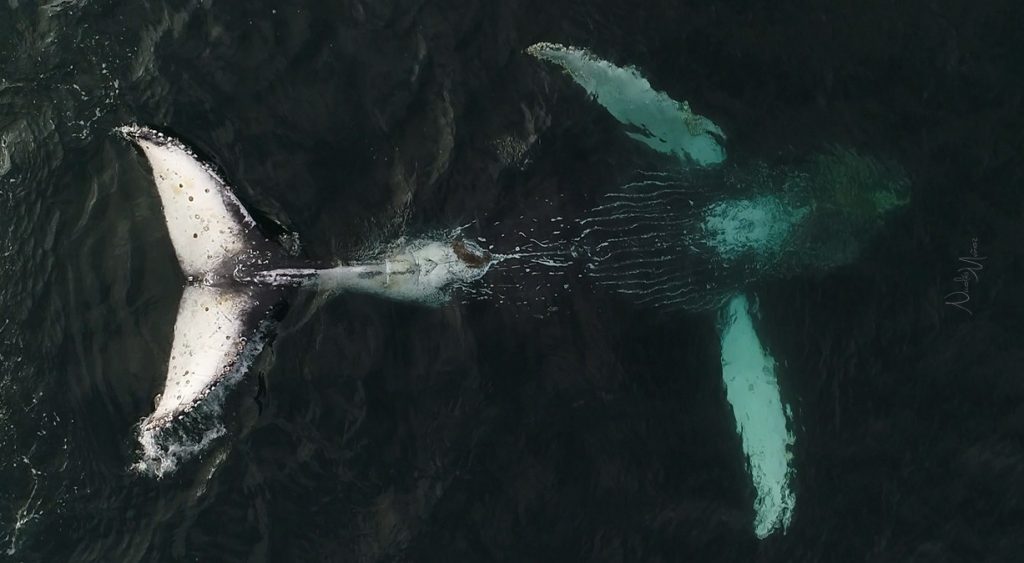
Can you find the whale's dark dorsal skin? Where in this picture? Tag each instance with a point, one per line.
(238, 282)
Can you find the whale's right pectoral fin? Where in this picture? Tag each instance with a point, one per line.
(206, 222)
(217, 334)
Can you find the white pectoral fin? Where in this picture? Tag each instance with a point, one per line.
(206, 222)
(762, 421)
(217, 333)
(658, 121)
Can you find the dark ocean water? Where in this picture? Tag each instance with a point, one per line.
(550, 421)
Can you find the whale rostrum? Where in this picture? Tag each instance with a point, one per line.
(237, 281)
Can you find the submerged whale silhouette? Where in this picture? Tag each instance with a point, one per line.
(237, 280)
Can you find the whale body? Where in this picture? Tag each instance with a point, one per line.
(238, 281)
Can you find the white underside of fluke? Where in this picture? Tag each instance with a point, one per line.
(209, 230)
(232, 286)
(208, 339)
(206, 222)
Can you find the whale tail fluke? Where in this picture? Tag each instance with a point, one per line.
(239, 284)
(220, 327)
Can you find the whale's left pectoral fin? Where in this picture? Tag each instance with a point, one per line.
(218, 333)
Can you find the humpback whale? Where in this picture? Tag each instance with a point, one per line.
(237, 280)
(696, 236)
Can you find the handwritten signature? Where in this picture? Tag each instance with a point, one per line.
(967, 273)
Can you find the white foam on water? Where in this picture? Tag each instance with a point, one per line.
(162, 456)
(29, 511)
